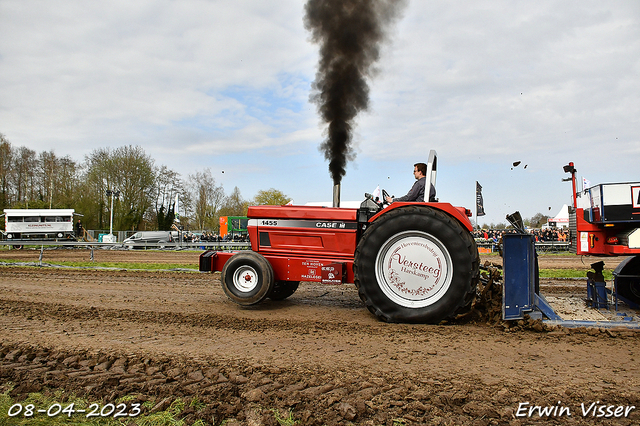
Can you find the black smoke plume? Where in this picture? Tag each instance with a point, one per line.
(350, 34)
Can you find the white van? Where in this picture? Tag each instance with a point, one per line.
(140, 239)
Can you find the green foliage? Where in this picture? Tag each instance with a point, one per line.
(164, 418)
(41, 401)
(196, 404)
(572, 273)
(165, 221)
(289, 420)
(271, 197)
(147, 193)
(127, 170)
(234, 205)
(168, 417)
(34, 204)
(544, 273)
(6, 161)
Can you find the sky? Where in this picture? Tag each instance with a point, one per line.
(225, 85)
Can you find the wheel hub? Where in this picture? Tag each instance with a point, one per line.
(245, 279)
(414, 269)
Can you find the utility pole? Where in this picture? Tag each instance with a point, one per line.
(112, 238)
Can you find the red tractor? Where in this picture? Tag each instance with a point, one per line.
(605, 221)
(410, 261)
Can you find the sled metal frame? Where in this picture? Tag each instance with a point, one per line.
(520, 292)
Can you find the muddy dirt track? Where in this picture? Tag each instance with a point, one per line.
(319, 355)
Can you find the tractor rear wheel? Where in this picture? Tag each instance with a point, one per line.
(416, 264)
(627, 276)
(283, 289)
(247, 278)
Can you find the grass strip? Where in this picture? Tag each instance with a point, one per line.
(572, 273)
(544, 273)
(114, 265)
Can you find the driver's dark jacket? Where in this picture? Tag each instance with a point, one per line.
(417, 192)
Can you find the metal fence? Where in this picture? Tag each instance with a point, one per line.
(221, 246)
(485, 247)
(95, 237)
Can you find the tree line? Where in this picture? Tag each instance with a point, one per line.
(146, 192)
(536, 221)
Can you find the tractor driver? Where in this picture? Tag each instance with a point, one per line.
(416, 193)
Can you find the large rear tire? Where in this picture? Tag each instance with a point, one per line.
(627, 276)
(247, 278)
(416, 264)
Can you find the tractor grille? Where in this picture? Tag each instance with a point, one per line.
(573, 231)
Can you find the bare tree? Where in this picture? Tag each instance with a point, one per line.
(168, 184)
(67, 181)
(23, 175)
(207, 199)
(234, 204)
(537, 220)
(6, 161)
(46, 173)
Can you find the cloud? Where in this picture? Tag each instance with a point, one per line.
(204, 83)
(73, 69)
(498, 78)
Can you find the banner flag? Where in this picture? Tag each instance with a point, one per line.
(479, 201)
(376, 193)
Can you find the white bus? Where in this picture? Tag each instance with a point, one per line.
(38, 224)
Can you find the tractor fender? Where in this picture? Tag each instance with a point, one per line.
(458, 213)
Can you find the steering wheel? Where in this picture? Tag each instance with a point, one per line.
(385, 194)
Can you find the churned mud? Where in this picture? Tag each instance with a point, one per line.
(319, 356)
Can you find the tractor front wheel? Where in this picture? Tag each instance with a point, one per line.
(247, 278)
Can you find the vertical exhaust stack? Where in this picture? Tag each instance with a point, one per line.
(336, 195)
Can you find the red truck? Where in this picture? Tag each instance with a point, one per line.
(605, 221)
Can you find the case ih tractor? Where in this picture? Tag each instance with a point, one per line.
(605, 221)
(410, 261)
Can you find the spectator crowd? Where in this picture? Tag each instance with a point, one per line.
(210, 237)
(540, 235)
